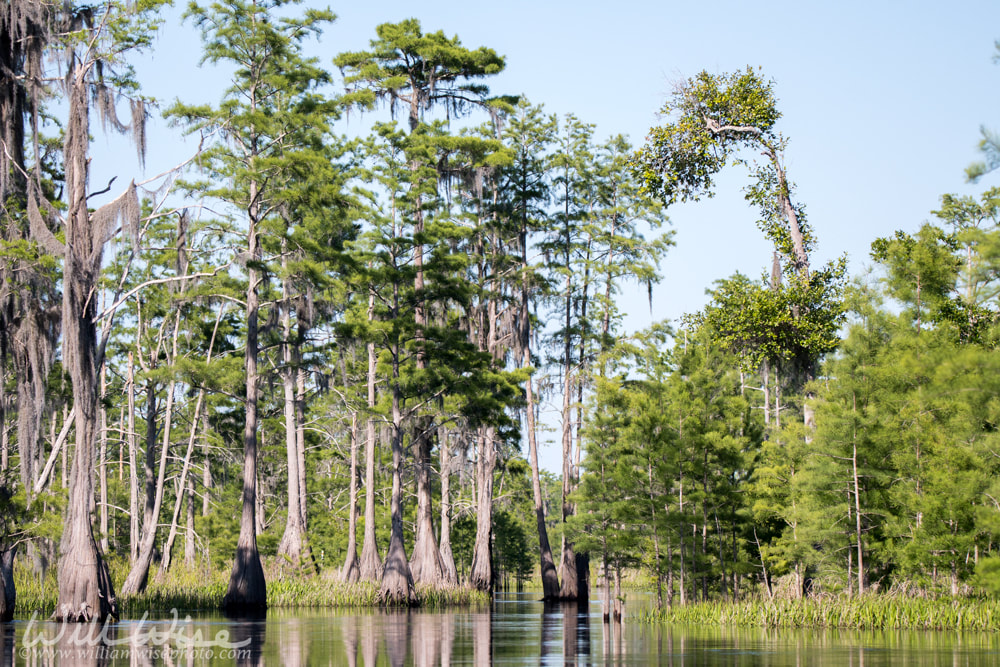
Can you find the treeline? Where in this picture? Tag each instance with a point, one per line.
(802, 435)
(340, 336)
(349, 338)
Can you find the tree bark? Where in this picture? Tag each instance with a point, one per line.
(857, 507)
(481, 572)
(103, 467)
(138, 576)
(133, 474)
(350, 572)
(291, 546)
(247, 591)
(567, 562)
(425, 562)
(371, 563)
(291, 541)
(300, 450)
(8, 592)
(150, 460)
(447, 558)
(85, 589)
(184, 484)
(189, 544)
(397, 581)
(550, 578)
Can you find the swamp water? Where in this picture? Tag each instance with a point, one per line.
(517, 630)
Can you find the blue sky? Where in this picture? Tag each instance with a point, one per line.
(882, 104)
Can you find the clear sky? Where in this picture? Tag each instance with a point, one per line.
(882, 105)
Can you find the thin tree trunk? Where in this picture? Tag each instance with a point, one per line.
(138, 576)
(857, 507)
(150, 459)
(65, 453)
(189, 544)
(447, 558)
(606, 602)
(290, 546)
(657, 566)
(550, 578)
(371, 562)
(133, 479)
(103, 467)
(350, 571)
(670, 574)
(206, 468)
(182, 485)
(680, 547)
(4, 439)
(300, 450)
(291, 541)
(567, 561)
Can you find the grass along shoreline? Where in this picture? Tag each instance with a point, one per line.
(199, 590)
(868, 612)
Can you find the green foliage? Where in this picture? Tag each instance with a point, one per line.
(713, 118)
(794, 324)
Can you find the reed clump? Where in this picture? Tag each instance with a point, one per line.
(868, 612)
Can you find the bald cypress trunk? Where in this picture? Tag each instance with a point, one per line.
(447, 558)
(247, 590)
(8, 593)
(397, 581)
(291, 545)
(481, 572)
(85, 588)
(550, 578)
(133, 471)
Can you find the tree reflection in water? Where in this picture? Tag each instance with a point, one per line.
(396, 628)
(349, 630)
(8, 644)
(254, 629)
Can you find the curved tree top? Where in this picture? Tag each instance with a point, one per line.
(713, 119)
(713, 116)
(421, 70)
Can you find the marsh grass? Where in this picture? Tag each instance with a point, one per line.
(198, 589)
(869, 612)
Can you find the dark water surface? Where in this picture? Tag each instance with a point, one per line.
(518, 630)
